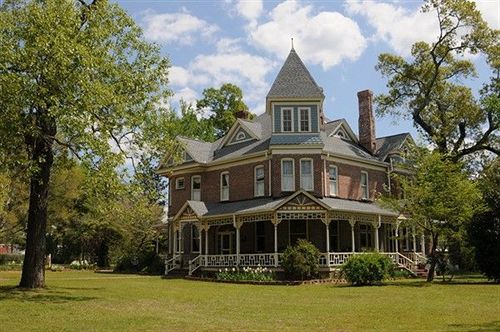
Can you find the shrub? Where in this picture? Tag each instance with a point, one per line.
(57, 268)
(246, 273)
(80, 265)
(11, 259)
(147, 261)
(367, 269)
(301, 261)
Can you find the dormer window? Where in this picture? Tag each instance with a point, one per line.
(286, 120)
(241, 136)
(305, 119)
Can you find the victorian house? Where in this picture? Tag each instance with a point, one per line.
(290, 173)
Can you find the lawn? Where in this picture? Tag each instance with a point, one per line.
(78, 300)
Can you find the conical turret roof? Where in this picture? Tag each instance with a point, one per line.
(294, 80)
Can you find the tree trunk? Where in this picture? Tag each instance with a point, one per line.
(103, 254)
(432, 268)
(42, 157)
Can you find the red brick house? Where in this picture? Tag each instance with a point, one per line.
(288, 174)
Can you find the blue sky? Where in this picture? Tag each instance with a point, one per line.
(245, 43)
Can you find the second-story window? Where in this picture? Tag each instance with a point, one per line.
(364, 185)
(179, 183)
(332, 175)
(287, 175)
(259, 181)
(286, 120)
(224, 186)
(306, 174)
(196, 188)
(305, 119)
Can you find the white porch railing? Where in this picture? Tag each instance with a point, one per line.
(172, 263)
(332, 259)
(418, 258)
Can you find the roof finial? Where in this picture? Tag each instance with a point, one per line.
(292, 43)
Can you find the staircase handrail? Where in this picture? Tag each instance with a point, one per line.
(170, 264)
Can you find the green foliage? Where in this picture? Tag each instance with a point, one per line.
(484, 229)
(224, 104)
(11, 259)
(14, 194)
(144, 261)
(427, 88)
(367, 269)
(246, 273)
(301, 261)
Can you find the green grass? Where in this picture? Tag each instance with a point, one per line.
(82, 300)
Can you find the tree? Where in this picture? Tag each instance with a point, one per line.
(427, 88)
(484, 229)
(439, 197)
(77, 75)
(226, 104)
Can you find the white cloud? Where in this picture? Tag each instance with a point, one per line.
(182, 28)
(229, 64)
(396, 25)
(187, 94)
(490, 10)
(325, 38)
(249, 9)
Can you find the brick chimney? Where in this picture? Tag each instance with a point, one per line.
(242, 114)
(366, 121)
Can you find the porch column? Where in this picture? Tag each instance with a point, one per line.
(414, 239)
(397, 235)
(275, 222)
(237, 224)
(175, 241)
(206, 239)
(422, 244)
(376, 227)
(352, 222)
(327, 221)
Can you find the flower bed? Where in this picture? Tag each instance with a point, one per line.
(246, 274)
(270, 282)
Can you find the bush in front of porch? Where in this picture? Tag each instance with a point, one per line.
(246, 274)
(301, 262)
(367, 269)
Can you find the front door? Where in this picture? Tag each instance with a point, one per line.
(226, 243)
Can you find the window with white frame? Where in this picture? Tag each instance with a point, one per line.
(306, 174)
(179, 183)
(333, 181)
(286, 119)
(364, 185)
(305, 119)
(259, 181)
(195, 239)
(196, 188)
(287, 175)
(224, 186)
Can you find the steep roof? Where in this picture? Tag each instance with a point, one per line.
(389, 144)
(294, 80)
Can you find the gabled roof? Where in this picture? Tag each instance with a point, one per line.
(332, 127)
(253, 129)
(294, 81)
(345, 148)
(198, 208)
(200, 151)
(390, 144)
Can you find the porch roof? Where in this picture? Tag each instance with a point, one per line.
(267, 204)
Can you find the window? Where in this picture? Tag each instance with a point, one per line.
(260, 236)
(332, 176)
(286, 119)
(364, 185)
(305, 119)
(196, 188)
(365, 236)
(340, 134)
(259, 181)
(334, 235)
(306, 174)
(241, 136)
(298, 230)
(287, 175)
(195, 239)
(179, 183)
(224, 186)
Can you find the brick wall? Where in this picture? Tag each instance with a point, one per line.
(349, 180)
(318, 176)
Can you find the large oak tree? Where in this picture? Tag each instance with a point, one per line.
(76, 75)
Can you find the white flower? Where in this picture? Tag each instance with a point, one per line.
(234, 269)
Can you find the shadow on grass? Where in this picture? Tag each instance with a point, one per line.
(485, 327)
(49, 295)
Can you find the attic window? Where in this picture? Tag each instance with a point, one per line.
(340, 134)
(240, 136)
(286, 120)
